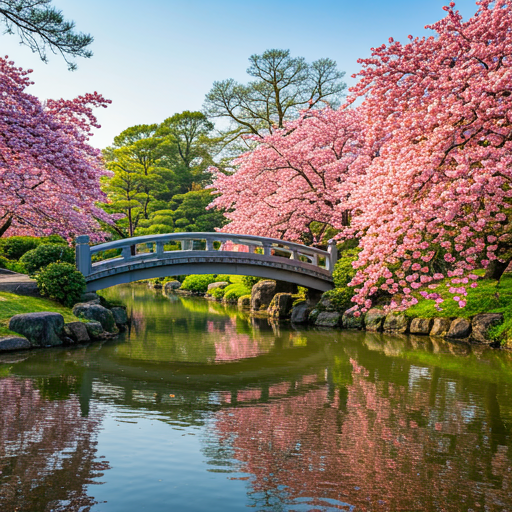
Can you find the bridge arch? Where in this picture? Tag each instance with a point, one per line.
(146, 257)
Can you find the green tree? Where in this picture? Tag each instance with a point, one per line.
(41, 26)
(185, 213)
(135, 159)
(282, 86)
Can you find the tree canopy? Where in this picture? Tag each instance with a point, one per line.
(41, 26)
(282, 86)
(49, 172)
(426, 172)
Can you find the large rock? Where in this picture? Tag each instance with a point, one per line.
(41, 329)
(244, 301)
(440, 326)
(8, 343)
(328, 319)
(90, 297)
(120, 316)
(262, 294)
(421, 325)
(98, 313)
(459, 328)
(77, 331)
(300, 313)
(481, 325)
(95, 330)
(171, 285)
(396, 322)
(374, 319)
(281, 305)
(350, 321)
(218, 284)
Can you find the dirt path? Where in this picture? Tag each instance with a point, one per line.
(17, 283)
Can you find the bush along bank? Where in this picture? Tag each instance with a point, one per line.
(96, 319)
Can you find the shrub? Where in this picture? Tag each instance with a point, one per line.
(250, 281)
(343, 271)
(14, 247)
(62, 282)
(234, 291)
(217, 293)
(199, 283)
(45, 254)
(53, 239)
(340, 298)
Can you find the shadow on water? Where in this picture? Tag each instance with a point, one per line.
(290, 418)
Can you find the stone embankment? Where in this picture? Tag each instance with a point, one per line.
(100, 321)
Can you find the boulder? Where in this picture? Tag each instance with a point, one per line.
(98, 313)
(459, 328)
(281, 305)
(120, 316)
(171, 285)
(374, 319)
(41, 329)
(77, 331)
(262, 294)
(300, 313)
(396, 322)
(481, 325)
(328, 319)
(326, 305)
(421, 325)
(440, 326)
(313, 315)
(8, 343)
(218, 284)
(90, 297)
(95, 330)
(244, 301)
(349, 321)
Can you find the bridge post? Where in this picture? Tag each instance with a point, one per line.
(83, 255)
(266, 249)
(333, 255)
(209, 244)
(159, 249)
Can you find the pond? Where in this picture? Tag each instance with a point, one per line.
(200, 407)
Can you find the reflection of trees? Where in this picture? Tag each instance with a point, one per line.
(47, 451)
(420, 441)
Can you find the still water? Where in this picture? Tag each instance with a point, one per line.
(203, 408)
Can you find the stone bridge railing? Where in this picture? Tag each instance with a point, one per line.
(202, 249)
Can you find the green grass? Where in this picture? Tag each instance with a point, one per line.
(487, 297)
(11, 304)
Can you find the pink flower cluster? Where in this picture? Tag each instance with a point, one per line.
(423, 164)
(49, 174)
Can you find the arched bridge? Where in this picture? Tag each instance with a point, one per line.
(174, 254)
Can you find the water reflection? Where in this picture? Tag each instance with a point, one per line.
(283, 419)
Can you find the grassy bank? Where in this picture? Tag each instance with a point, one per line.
(488, 297)
(11, 304)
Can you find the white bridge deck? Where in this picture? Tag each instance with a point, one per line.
(146, 257)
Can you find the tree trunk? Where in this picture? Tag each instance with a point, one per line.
(5, 226)
(496, 268)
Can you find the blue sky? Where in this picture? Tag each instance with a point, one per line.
(159, 57)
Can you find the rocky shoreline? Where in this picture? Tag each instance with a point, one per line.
(273, 299)
(96, 320)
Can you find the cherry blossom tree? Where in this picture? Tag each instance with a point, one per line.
(436, 201)
(293, 178)
(49, 173)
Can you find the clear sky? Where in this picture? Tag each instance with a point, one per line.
(159, 57)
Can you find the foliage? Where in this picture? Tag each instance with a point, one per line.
(62, 282)
(49, 173)
(282, 86)
(41, 26)
(343, 271)
(185, 212)
(13, 265)
(14, 247)
(341, 298)
(38, 258)
(234, 291)
(250, 281)
(199, 282)
(422, 166)
(289, 185)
